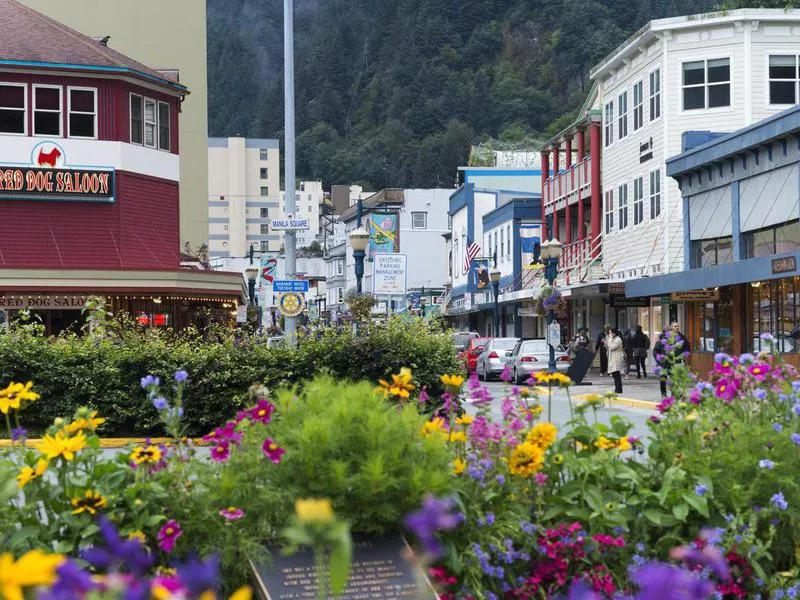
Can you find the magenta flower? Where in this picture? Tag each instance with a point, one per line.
(541, 479)
(665, 404)
(423, 395)
(506, 374)
(221, 452)
(695, 396)
(726, 389)
(759, 371)
(272, 451)
(168, 535)
(232, 513)
(723, 363)
(262, 412)
(655, 419)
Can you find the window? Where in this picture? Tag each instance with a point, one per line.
(622, 202)
(508, 240)
(638, 200)
(711, 252)
(776, 239)
(706, 83)
(339, 296)
(137, 120)
(264, 190)
(264, 246)
(82, 112)
(47, 110)
(714, 324)
(419, 220)
(224, 228)
(150, 122)
(163, 126)
(339, 267)
(264, 172)
(783, 79)
(655, 193)
(263, 154)
(494, 254)
(502, 244)
(264, 229)
(638, 106)
(622, 128)
(609, 123)
(309, 208)
(655, 94)
(264, 213)
(776, 311)
(609, 211)
(13, 107)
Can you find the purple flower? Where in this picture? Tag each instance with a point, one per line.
(506, 374)
(262, 411)
(777, 427)
(435, 515)
(746, 358)
(765, 463)
(795, 437)
(708, 556)
(796, 386)
(779, 502)
(272, 451)
(199, 576)
(490, 518)
(181, 376)
(168, 535)
(130, 553)
(659, 580)
(150, 381)
(665, 404)
(72, 582)
(767, 337)
(726, 389)
(700, 490)
(160, 403)
(19, 434)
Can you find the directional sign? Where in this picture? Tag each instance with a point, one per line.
(290, 225)
(288, 285)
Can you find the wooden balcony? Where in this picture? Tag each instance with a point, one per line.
(569, 186)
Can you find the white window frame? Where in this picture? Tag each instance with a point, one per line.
(78, 88)
(34, 110)
(25, 105)
(654, 96)
(154, 122)
(169, 125)
(130, 118)
(609, 211)
(705, 85)
(608, 123)
(655, 194)
(622, 207)
(339, 267)
(768, 80)
(638, 106)
(638, 200)
(622, 115)
(263, 154)
(508, 241)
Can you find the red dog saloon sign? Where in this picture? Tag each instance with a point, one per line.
(50, 178)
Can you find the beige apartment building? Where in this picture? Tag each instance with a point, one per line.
(175, 41)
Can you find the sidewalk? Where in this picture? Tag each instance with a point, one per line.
(646, 390)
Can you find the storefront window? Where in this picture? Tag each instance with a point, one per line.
(773, 240)
(776, 311)
(708, 253)
(713, 324)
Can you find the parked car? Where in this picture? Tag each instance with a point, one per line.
(534, 355)
(472, 351)
(492, 360)
(462, 338)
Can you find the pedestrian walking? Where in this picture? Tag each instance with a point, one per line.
(600, 347)
(580, 342)
(627, 345)
(670, 350)
(641, 344)
(616, 358)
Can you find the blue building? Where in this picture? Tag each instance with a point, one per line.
(741, 201)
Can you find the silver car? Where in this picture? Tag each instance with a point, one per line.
(533, 355)
(492, 360)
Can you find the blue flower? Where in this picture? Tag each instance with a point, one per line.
(777, 427)
(500, 479)
(747, 358)
(768, 337)
(779, 502)
(796, 438)
(765, 463)
(490, 518)
(150, 381)
(700, 490)
(19, 434)
(160, 403)
(796, 409)
(796, 386)
(760, 394)
(528, 528)
(181, 376)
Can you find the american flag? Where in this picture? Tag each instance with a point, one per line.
(472, 251)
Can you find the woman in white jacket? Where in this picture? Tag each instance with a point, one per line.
(616, 358)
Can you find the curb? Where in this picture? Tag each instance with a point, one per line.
(109, 442)
(631, 402)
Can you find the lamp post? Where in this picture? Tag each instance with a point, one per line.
(359, 238)
(252, 273)
(495, 277)
(551, 252)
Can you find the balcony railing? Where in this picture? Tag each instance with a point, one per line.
(525, 280)
(578, 258)
(571, 184)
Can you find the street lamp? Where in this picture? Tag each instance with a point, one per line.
(551, 252)
(495, 277)
(252, 273)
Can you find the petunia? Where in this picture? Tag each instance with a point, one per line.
(272, 451)
(168, 535)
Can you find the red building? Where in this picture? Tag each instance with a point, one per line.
(89, 179)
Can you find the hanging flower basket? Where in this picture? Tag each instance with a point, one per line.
(549, 298)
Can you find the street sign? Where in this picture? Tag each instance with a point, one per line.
(289, 285)
(291, 304)
(389, 274)
(290, 225)
(241, 313)
(554, 334)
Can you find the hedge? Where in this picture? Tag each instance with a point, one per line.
(105, 374)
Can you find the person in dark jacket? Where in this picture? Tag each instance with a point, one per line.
(641, 344)
(600, 347)
(670, 350)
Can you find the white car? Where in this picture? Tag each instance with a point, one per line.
(492, 360)
(534, 355)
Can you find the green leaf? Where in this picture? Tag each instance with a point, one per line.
(594, 500)
(653, 515)
(62, 547)
(89, 531)
(699, 503)
(340, 557)
(681, 511)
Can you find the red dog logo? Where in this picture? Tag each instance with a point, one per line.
(48, 158)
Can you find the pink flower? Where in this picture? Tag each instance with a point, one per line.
(171, 583)
(665, 404)
(272, 451)
(423, 395)
(221, 452)
(262, 412)
(506, 374)
(232, 513)
(655, 419)
(168, 535)
(540, 478)
(759, 371)
(726, 389)
(695, 396)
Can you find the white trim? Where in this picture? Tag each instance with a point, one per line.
(33, 110)
(619, 206)
(153, 123)
(643, 219)
(660, 70)
(169, 125)
(78, 88)
(26, 105)
(640, 85)
(705, 85)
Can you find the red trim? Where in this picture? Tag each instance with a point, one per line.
(15, 291)
(122, 269)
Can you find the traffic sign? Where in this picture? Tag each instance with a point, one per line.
(289, 285)
(290, 225)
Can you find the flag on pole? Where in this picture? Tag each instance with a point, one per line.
(473, 250)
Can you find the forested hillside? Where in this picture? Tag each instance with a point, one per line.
(393, 92)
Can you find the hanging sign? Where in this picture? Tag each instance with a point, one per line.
(554, 334)
(695, 296)
(291, 304)
(269, 268)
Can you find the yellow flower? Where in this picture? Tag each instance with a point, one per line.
(243, 593)
(464, 419)
(435, 425)
(314, 510)
(526, 459)
(552, 378)
(88, 503)
(138, 535)
(623, 444)
(692, 416)
(61, 445)
(90, 423)
(400, 385)
(13, 395)
(459, 466)
(458, 436)
(536, 410)
(605, 444)
(146, 454)
(28, 474)
(453, 381)
(593, 399)
(542, 435)
(32, 569)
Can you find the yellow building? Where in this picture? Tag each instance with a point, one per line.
(174, 41)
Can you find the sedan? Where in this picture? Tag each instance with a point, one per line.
(470, 354)
(492, 360)
(533, 355)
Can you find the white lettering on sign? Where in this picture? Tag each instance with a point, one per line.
(42, 302)
(290, 224)
(389, 274)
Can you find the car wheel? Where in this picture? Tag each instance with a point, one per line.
(517, 378)
(478, 371)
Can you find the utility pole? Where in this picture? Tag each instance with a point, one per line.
(290, 246)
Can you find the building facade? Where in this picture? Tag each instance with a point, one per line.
(173, 43)
(309, 199)
(243, 196)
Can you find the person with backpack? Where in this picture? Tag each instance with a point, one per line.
(641, 344)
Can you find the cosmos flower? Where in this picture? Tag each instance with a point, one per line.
(168, 535)
(232, 513)
(272, 451)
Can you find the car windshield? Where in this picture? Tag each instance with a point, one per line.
(534, 347)
(504, 344)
